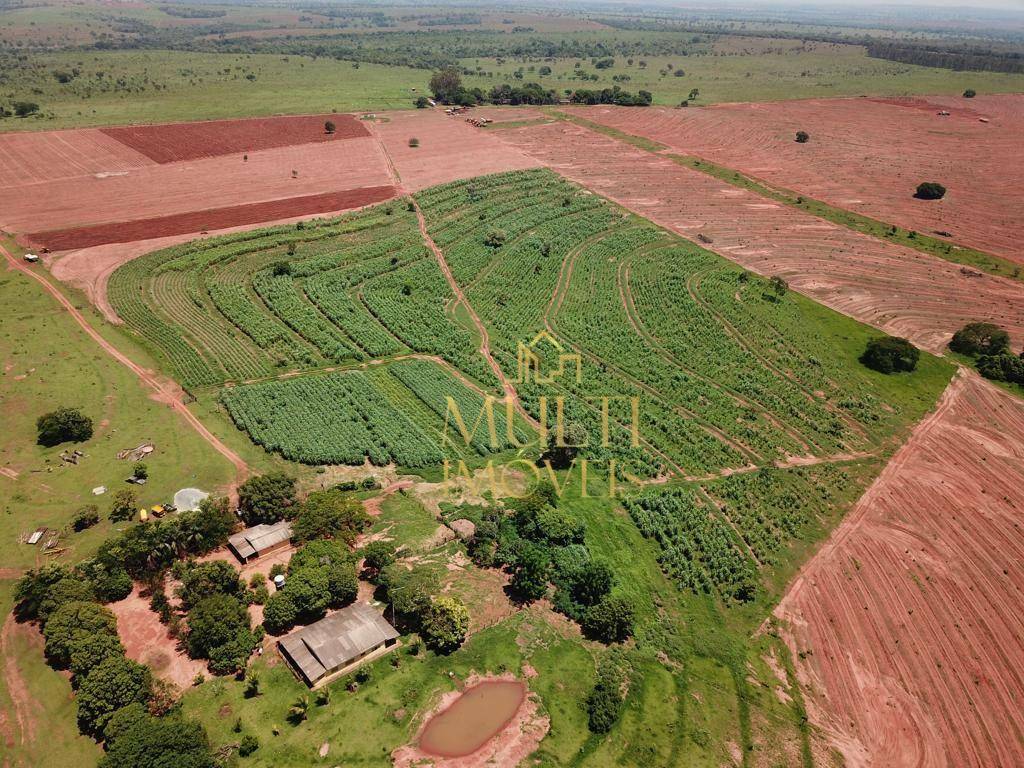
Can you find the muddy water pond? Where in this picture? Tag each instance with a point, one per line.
(473, 719)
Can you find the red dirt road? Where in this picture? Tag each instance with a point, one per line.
(174, 142)
(902, 291)
(164, 391)
(868, 156)
(907, 627)
(209, 219)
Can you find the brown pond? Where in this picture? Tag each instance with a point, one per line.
(473, 719)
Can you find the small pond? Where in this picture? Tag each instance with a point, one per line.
(473, 719)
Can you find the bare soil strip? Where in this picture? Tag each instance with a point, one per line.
(212, 218)
(906, 628)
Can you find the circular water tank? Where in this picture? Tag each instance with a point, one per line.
(279, 580)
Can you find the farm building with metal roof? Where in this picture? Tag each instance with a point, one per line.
(336, 642)
(260, 540)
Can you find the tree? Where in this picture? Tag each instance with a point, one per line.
(123, 505)
(31, 589)
(330, 514)
(24, 108)
(559, 527)
(310, 591)
(377, 555)
(422, 102)
(87, 651)
(930, 190)
(563, 448)
(68, 589)
(610, 621)
(202, 580)
(279, 613)
(446, 84)
(140, 471)
(802, 137)
(409, 591)
(591, 583)
(342, 583)
(890, 354)
(445, 625)
(495, 238)
(214, 621)
(116, 682)
(156, 742)
(1002, 367)
(266, 498)
(110, 581)
(62, 426)
(779, 285)
(248, 745)
(970, 93)
(71, 619)
(976, 339)
(604, 703)
(318, 553)
(414, 142)
(530, 573)
(85, 517)
(329, 127)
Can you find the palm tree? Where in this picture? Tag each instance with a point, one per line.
(300, 709)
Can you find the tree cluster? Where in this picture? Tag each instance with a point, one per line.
(989, 345)
(890, 354)
(321, 575)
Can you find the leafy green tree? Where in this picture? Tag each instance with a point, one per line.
(378, 555)
(140, 471)
(446, 84)
(409, 591)
(68, 589)
(201, 580)
(970, 93)
(114, 683)
(329, 127)
(85, 517)
(68, 621)
(445, 624)
(559, 527)
(604, 703)
(610, 621)
(930, 190)
(63, 425)
(110, 582)
(266, 498)
(531, 572)
(31, 589)
(310, 591)
(214, 621)
(87, 651)
(563, 448)
(591, 583)
(248, 745)
(24, 108)
(342, 583)
(123, 505)
(158, 742)
(976, 339)
(802, 137)
(330, 514)
(890, 354)
(279, 613)
(778, 285)
(1002, 368)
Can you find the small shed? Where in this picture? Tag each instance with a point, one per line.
(336, 643)
(260, 540)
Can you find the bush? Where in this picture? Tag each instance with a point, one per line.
(445, 625)
(890, 354)
(976, 339)
(1002, 368)
(329, 127)
(610, 621)
(25, 108)
(604, 703)
(266, 498)
(248, 745)
(114, 683)
(495, 238)
(970, 93)
(802, 137)
(422, 102)
(930, 190)
(414, 142)
(86, 517)
(62, 426)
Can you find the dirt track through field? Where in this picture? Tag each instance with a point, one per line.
(164, 391)
(868, 156)
(906, 627)
(899, 290)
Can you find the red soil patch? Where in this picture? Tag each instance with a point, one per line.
(146, 641)
(213, 218)
(902, 291)
(449, 149)
(174, 142)
(908, 626)
(511, 746)
(31, 158)
(868, 156)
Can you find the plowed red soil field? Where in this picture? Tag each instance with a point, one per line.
(174, 142)
(902, 291)
(449, 149)
(868, 156)
(907, 627)
(31, 158)
(211, 218)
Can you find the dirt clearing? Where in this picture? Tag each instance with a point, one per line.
(907, 628)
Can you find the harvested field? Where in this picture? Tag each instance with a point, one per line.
(868, 156)
(163, 190)
(902, 291)
(450, 148)
(212, 218)
(174, 142)
(907, 627)
(32, 158)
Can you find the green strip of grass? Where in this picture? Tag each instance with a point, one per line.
(615, 133)
(933, 246)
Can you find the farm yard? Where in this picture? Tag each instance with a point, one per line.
(868, 156)
(899, 290)
(361, 361)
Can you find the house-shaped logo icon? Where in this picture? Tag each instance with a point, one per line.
(529, 357)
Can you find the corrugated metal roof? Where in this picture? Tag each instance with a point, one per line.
(337, 640)
(260, 538)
